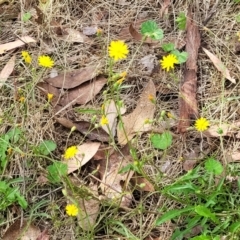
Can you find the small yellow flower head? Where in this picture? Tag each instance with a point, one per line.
(22, 99)
(123, 74)
(71, 210)
(49, 97)
(118, 50)
(202, 124)
(119, 81)
(99, 31)
(168, 62)
(103, 121)
(150, 97)
(45, 61)
(70, 152)
(26, 56)
(238, 35)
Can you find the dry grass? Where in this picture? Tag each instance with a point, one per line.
(46, 203)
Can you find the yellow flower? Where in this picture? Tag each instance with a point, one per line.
(22, 99)
(119, 81)
(70, 152)
(168, 62)
(118, 50)
(49, 97)
(71, 210)
(26, 56)
(45, 61)
(103, 121)
(123, 74)
(202, 124)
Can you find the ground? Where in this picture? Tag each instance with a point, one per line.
(195, 174)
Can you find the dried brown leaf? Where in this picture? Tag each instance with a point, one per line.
(89, 210)
(86, 128)
(225, 129)
(75, 36)
(142, 184)
(91, 30)
(138, 36)
(44, 235)
(136, 121)
(73, 79)
(188, 102)
(25, 232)
(85, 152)
(18, 43)
(84, 93)
(124, 34)
(46, 88)
(219, 65)
(7, 70)
(113, 182)
(111, 114)
(148, 62)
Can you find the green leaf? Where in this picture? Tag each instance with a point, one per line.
(172, 214)
(21, 201)
(181, 56)
(202, 237)
(46, 147)
(205, 212)
(234, 227)
(168, 47)
(181, 21)
(151, 29)
(56, 171)
(14, 134)
(26, 16)
(213, 166)
(161, 141)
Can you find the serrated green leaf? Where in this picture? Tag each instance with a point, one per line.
(14, 134)
(205, 212)
(213, 166)
(151, 29)
(181, 56)
(26, 16)
(181, 21)
(168, 47)
(56, 171)
(172, 214)
(46, 147)
(202, 237)
(161, 141)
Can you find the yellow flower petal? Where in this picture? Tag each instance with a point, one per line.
(168, 62)
(202, 124)
(26, 56)
(118, 50)
(45, 61)
(70, 152)
(71, 210)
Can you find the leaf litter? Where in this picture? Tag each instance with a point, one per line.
(137, 121)
(7, 70)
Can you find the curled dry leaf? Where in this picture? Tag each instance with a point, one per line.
(86, 128)
(233, 157)
(73, 79)
(7, 70)
(111, 114)
(75, 36)
(25, 231)
(18, 43)
(188, 103)
(222, 130)
(136, 121)
(85, 152)
(142, 184)
(114, 184)
(84, 93)
(219, 65)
